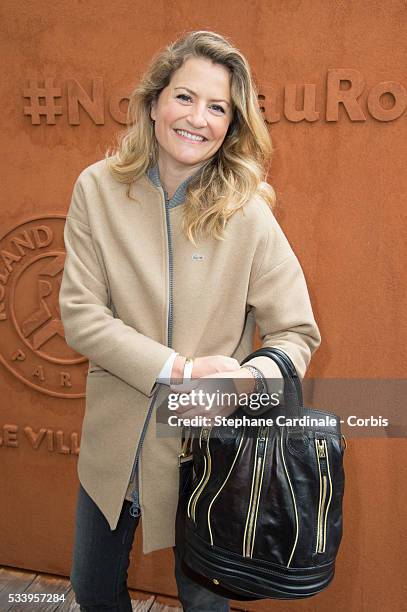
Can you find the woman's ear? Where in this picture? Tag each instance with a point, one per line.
(152, 110)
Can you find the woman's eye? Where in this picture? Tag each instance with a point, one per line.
(217, 106)
(183, 96)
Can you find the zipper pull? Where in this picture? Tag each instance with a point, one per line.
(187, 443)
(320, 447)
(262, 434)
(135, 509)
(261, 438)
(205, 434)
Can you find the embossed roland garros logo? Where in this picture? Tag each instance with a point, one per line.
(32, 341)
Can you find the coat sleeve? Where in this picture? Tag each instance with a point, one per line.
(89, 325)
(279, 296)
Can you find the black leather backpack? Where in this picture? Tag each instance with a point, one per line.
(260, 511)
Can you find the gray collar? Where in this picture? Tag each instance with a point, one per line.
(179, 195)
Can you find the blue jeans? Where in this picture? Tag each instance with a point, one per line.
(101, 558)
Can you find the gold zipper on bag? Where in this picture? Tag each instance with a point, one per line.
(294, 501)
(205, 433)
(257, 478)
(324, 499)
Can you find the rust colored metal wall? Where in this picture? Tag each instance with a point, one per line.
(333, 85)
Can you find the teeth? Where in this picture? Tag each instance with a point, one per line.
(190, 136)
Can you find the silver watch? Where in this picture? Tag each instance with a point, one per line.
(260, 384)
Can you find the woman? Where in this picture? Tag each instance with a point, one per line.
(173, 252)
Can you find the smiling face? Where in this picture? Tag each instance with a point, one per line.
(197, 101)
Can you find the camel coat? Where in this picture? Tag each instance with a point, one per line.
(126, 260)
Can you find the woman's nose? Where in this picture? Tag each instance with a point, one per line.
(197, 116)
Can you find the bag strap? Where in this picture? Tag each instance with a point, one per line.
(292, 385)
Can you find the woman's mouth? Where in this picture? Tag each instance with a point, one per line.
(187, 137)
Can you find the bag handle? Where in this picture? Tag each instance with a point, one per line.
(292, 385)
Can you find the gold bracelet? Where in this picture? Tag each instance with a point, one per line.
(188, 366)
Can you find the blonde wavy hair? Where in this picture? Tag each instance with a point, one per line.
(236, 172)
